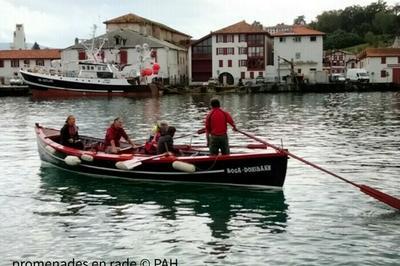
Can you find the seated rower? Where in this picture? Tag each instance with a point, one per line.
(69, 134)
(113, 136)
(150, 146)
(166, 141)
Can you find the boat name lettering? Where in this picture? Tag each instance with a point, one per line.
(45, 80)
(106, 81)
(249, 169)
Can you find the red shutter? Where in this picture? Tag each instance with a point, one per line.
(221, 64)
(123, 57)
(81, 55)
(229, 63)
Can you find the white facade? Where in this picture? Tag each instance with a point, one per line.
(19, 41)
(235, 69)
(304, 51)
(11, 67)
(172, 62)
(380, 72)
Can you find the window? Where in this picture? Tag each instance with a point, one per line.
(229, 63)
(1, 63)
(384, 74)
(242, 38)
(242, 50)
(81, 55)
(220, 50)
(202, 49)
(251, 75)
(297, 39)
(298, 55)
(313, 69)
(282, 39)
(26, 62)
(256, 51)
(229, 38)
(383, 60)
(221, 63)
(260, 74)
(398, 60)
(255, 39)
(313, 38)
(15, 63)
(242, 63)
(220, 38)
(299, 70)
(231, 50)
(40, 62)
(242, 75)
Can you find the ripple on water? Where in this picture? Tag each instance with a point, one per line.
(316, 220)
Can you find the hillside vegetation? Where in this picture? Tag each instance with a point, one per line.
(375, 25)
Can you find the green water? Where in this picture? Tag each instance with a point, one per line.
(47, 214)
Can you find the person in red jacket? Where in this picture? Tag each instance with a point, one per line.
(113, 136)
(216, 128)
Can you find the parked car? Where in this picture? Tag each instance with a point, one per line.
(260, 80)
(16, 81)
(337, 78)
(357, 75)
(211, 82)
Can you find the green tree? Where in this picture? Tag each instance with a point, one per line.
(300, 20)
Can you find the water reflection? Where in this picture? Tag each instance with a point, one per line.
(227, 208)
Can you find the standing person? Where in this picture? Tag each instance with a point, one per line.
(113, 136)
(69, 134)
(216, 128)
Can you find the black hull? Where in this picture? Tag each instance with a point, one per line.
(241, 169)
(51, 86)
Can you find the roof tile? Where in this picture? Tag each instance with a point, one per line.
(30, 54)
(298, 30)
(241, 27)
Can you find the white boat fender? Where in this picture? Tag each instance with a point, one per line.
(50, 149)
(87, 157)
(72, 160)
(127, 165)
(185, 167)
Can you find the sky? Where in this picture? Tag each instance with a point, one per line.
(56, 23)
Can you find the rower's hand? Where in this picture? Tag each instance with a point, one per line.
(234, 129)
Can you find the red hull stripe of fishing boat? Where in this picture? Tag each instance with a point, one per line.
(253, 168)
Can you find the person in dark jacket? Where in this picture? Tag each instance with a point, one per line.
(166, 141)
(69, 134)
(216, 128)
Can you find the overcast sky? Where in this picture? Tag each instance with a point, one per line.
(56, 23)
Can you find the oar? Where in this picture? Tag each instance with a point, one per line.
(382, 197)
(200, 131)
(132, 163)
(248, 146)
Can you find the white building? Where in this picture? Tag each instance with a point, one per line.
(382, 64)
(120, 48)
(124, 33)
(301, 46)
(239, 51)
(19, 41)
(148, 27)
(12, 60)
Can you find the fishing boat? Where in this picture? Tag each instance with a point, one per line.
(96, 77)
(253, 166)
